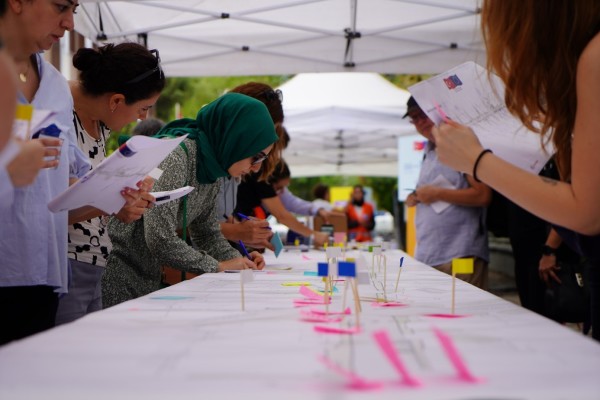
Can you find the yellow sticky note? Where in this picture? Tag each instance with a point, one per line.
(24, 112)
(462, 265)
(296, 284)
(297, 242)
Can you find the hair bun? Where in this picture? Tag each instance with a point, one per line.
(86, 59)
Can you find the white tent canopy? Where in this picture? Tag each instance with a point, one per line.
(343, 124)
(275, 37)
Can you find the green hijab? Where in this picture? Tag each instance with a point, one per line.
(228, 130)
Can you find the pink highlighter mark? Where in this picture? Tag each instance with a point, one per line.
(308, 316)
(385, 344)
(311, 294)
(449, 316)
(309, 302)
(462, 370)
(354, 381)
(337, 331)
(387, 304)
(347, 311)
(307, 258)
(440, 112)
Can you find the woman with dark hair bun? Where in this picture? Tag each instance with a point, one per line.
(117, 85)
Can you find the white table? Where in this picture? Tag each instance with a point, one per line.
(192, 341)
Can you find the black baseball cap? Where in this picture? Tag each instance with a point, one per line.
(411, 104)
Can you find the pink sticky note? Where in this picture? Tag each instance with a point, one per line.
(347, 311)
(354, 381)
(334, 330)
(306, 292)
(385, 344)
(387, 304)
(449, 316)
(462, 370)
(339, 237)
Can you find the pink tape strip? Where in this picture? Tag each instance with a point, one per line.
(306, 257)
(450, 316)
(354, 381)
(308, 316)
(306, 292)
(461, 368)
(385, 344)
(334, 330)
(387, 304)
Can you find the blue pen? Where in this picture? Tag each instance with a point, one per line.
(244, 250)
(246, 218)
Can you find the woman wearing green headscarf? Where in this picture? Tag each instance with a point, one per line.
(229, 137)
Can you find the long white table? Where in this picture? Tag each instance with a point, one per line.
(192, 341)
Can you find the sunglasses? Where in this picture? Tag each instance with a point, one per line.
(271, 95)
(257, 159)
(146, 74)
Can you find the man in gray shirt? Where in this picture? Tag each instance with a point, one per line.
(450, 220)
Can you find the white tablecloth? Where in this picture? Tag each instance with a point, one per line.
(192, 341)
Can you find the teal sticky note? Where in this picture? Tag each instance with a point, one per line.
(277, 244)
(310, 273)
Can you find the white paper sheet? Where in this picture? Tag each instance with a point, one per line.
(170, 195)
(467, 96)
(39, 119)
(101, 187)
(441, 181)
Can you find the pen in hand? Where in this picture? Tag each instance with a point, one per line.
(246, 218)
(244, 250)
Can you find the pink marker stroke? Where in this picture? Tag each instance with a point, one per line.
(387, 304)
(354, 381)
(306, 292)
(449, 316)
(441, 112)
(385, 344)
(307, 258)
(337, 331)
(462, 370)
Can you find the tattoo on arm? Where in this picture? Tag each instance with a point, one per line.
(552, 182)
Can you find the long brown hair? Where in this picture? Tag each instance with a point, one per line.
(534, 47)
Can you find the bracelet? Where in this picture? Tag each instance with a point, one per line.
(479, 157)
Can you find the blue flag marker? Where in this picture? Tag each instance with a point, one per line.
(323, 269)
(347, 269)
(401, 261)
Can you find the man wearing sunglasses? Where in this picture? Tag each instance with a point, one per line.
(450, 221)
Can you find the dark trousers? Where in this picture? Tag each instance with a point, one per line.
(25, 310)
(593, 283)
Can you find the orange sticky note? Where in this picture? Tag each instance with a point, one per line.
(462, 265)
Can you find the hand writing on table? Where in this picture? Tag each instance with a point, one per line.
(254, 230)
(239, 263)
(456, 146)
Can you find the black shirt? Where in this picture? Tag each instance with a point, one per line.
(250, 194)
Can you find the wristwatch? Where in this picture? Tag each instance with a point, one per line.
(548, 251)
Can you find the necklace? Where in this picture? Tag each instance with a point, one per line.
(23, 75)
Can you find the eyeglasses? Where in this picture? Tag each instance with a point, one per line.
(271, 95)
(146, 74)
(257, 159)
(417, 116)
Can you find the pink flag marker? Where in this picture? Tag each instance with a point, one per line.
(462, 370)
(354, 381)
(385, 344)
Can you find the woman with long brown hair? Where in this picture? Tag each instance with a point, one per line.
(548, 55)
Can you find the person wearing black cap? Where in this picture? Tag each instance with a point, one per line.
(450, 220)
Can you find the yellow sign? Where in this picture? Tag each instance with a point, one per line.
(24, 112)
